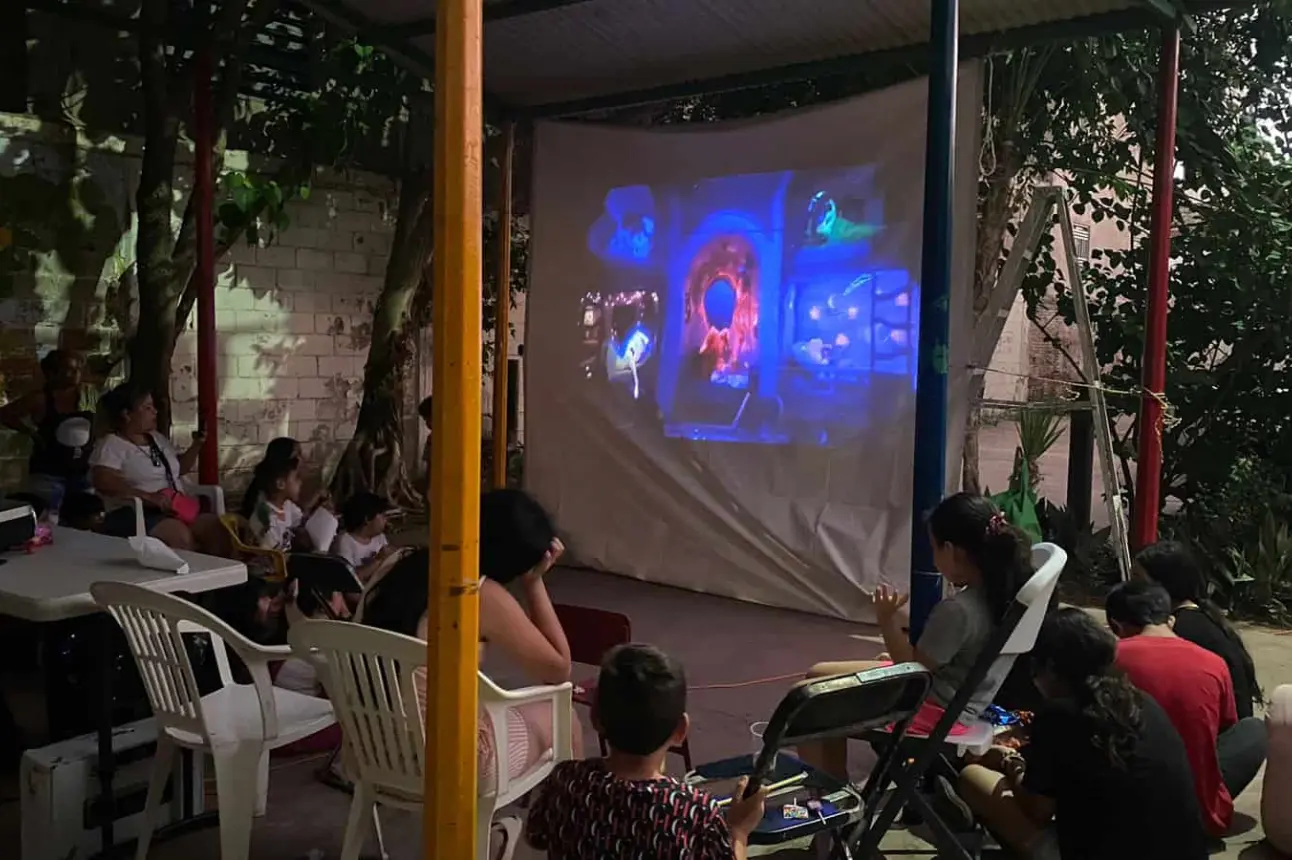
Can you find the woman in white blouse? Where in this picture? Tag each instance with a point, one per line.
(134, 461)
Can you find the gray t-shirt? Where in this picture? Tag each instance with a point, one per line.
(953, 639)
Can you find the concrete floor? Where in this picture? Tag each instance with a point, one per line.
(728, 648)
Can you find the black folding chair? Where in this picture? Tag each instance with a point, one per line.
(914, 756)
(824, 709)
(319, 575)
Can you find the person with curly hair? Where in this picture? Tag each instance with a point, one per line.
(1105, 775)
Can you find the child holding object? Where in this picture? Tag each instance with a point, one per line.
(988, 560)
(363, 543)
(277, 522)
(1105, 776)
(623, 806)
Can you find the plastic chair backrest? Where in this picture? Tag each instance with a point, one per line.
(1048, 560)
(368, 675)
(237, 529)
(1018, 631)
(591, 633)
(154, 625)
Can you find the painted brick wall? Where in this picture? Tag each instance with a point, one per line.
(293, 317)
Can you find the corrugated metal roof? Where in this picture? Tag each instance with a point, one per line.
(543, 52)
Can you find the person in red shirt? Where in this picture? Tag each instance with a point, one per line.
(1193, 686)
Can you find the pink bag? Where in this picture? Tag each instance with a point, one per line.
(185, 508)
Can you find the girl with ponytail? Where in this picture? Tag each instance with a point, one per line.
(1199, 620)
(1104, 776)
(988, 561)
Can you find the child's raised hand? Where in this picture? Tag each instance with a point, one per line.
(744, 813)
(888, 600)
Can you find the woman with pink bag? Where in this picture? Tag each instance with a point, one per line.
(134, 461)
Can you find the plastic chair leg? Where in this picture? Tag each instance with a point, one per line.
(163, 761)
(235, 768)
(376, 827)
(356, 825)
(262, 785)
(510, 827)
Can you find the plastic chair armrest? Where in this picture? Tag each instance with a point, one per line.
(212, 495)
(141, 525)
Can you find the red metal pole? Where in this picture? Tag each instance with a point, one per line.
(1148, 475)
(204, 191)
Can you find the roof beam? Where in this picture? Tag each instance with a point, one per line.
(499, 10)
(1145, 16)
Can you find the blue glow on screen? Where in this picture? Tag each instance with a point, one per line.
(759, 308)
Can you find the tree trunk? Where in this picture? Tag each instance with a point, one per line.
(151, 348)
(374, 458)
(970, 473)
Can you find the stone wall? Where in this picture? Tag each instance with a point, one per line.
(293, 317)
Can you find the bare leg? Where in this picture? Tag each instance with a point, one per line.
(831, 756)
(987, 795)
(173, 533)
(211, 537)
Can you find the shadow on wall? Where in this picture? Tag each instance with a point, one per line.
(63, 223)
(283, 371)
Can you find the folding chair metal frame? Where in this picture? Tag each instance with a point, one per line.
(819, 710)
(909, 758)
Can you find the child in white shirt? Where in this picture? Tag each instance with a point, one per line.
(363, 543)
(277, 519)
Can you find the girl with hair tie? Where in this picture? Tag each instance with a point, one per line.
(988, 560)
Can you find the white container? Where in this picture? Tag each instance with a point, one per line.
(60, 787)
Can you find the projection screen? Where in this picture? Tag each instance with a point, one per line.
(721, 345)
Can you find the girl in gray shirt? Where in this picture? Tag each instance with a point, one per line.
(988, 561)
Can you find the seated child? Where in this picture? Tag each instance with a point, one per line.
(988, 560)
(363, 542)
(1105, 775)
(82, 511)
(623, 807)
(280, 450)
(277, 520)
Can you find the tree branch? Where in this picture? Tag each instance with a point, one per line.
(1053, 341)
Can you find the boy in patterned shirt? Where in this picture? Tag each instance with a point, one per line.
(622, 807)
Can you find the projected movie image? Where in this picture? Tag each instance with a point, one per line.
(759, 308)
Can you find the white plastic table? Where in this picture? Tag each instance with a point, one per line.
(53, 584)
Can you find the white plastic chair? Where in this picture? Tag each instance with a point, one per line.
(210, 495)
(372, 678)
(236, 725)
(1048, 560)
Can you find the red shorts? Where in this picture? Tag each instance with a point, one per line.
(926, 720)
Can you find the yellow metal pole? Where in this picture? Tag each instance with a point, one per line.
(502, 311)
(450, 803)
